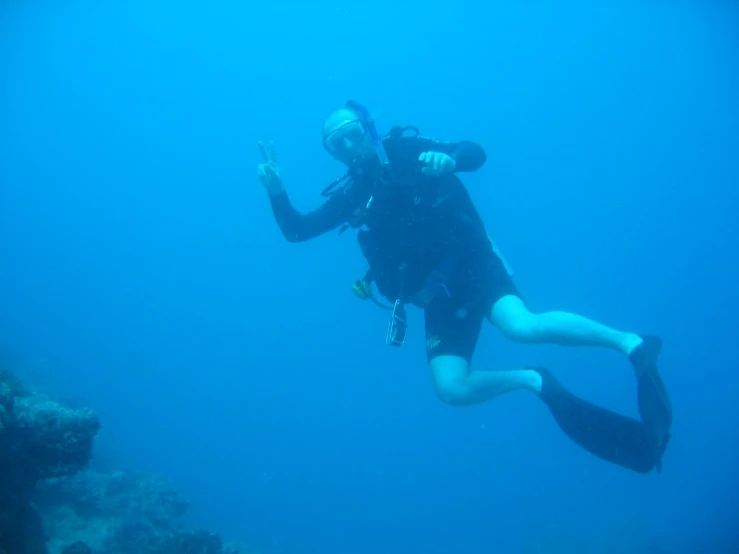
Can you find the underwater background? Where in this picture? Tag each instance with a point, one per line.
(142, 274)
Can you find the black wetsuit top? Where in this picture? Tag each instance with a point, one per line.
(414, 223)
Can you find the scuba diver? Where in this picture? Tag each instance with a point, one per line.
(426, 246)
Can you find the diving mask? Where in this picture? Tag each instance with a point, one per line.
(346, 138)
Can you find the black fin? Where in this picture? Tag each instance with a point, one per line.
(655, 411)
(613, 437)
(655, 408)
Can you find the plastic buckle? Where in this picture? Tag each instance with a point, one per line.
(397, 326)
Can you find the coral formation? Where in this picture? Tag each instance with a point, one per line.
(39, 439)
(51, 503)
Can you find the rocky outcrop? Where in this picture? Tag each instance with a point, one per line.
(51, 503)
(39, 439)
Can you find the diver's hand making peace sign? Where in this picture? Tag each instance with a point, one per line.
(269, 171)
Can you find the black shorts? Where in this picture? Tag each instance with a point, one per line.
(453, 324)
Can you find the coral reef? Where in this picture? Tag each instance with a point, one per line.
(39, 439)
(120, 513)
(51, 503)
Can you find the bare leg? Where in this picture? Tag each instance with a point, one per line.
(455, 384)
(516, 322)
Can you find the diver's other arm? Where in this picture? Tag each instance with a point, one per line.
(467, 155)
(440, 158)
(295, 227)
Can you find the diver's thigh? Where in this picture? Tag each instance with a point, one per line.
(448, 370)
(507, 309)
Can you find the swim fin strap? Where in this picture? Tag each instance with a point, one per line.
(611, 436)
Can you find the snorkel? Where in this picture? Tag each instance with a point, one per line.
(369, 123)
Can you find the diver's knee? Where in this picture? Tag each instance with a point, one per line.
(450, 379)
(451, 393)
(524, 330)
(515, 321)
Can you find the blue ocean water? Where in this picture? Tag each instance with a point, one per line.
(142, 272)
